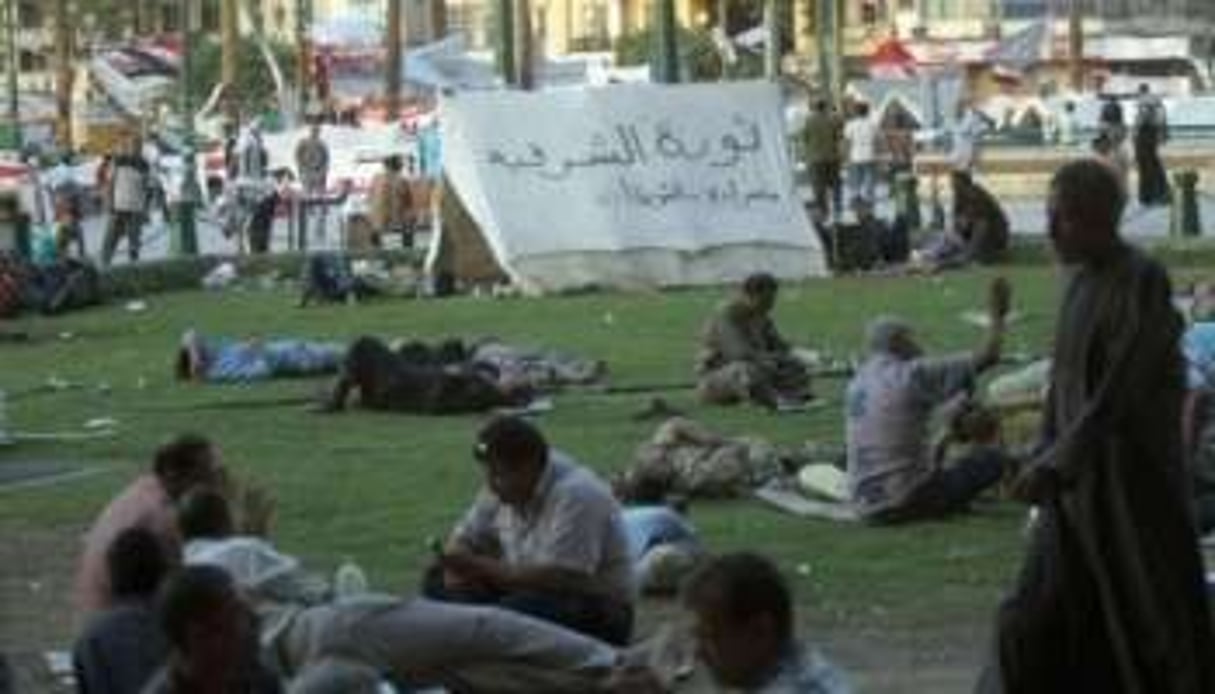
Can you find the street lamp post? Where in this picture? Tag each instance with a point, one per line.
(185, 240)
(505, 15)
(664, 58)
(772, 46)
(14, 108)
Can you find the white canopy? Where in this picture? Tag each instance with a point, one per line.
(630, 185)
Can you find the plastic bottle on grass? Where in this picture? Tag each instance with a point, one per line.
(349, 581)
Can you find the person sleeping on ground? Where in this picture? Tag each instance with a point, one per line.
(215, 359)
(688, 459)
(401, 382)
(224, 360)
(663, 543)
(415, 642)
(893, 474)
(742, 355)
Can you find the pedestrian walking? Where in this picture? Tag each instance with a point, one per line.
(1151, 131)
(821, 141)
(861, 133)
(128, 194)
(312, 165)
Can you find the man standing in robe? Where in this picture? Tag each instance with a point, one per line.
(1151, 131)
(1111, 595)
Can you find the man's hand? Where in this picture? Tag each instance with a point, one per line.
(999, 297)
(1037, 484)
(468, 568)
(635, 679)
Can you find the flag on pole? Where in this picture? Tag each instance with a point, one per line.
(891, 60)
(1013, 55)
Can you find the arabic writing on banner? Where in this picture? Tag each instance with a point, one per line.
(626, 148)
(687, 168)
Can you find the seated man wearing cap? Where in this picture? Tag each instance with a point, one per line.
(545, 538)
(892, 474)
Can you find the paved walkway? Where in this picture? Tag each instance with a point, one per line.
(1027, 215)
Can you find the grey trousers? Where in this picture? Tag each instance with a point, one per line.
(421, 642)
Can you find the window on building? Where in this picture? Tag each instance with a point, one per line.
(31, 61)
(170, 16)
(472, 19)
(30, 14)
(280, 17)
(210, 17)
(1023, 9)
(594, 34)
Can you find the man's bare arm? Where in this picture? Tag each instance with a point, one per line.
(999, 296)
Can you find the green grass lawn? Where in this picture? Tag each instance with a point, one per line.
(374, 486)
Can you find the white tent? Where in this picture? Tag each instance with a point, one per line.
(627, 186)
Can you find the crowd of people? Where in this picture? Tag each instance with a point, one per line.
(180, 587)
(536, 588)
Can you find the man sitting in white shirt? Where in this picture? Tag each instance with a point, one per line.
(545, 538)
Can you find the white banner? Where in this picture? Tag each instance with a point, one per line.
(684, 168)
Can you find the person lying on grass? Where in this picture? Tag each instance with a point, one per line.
(306, 629)
(392, 381)
(223, 360)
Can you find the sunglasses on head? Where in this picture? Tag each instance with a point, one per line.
(481, 452)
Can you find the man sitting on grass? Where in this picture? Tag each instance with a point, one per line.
(743, 625)
(187, 461)
(892, 474)
(212, 637)
(743, 357)
(545, 538)
(123, 646)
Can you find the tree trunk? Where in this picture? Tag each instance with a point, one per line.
(1075, 46)
(505, 26)
(438, 18)
(772, 48)
(664, 59)
(525, 60)
(64, 74)
(229, 21)
(392, 86)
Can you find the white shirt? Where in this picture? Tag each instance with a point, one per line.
(572, 522)
(966, 133)
(861, 134)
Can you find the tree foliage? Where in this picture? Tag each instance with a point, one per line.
(699, 57)
(254, 88)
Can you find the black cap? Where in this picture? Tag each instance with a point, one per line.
(510, 440)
